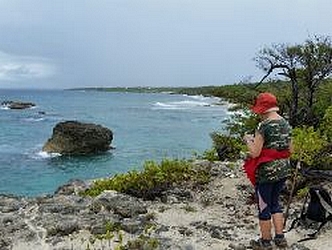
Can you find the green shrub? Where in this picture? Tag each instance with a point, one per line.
(210, 155)
(324, 159)
(189, 209)
(143, 242)
(231, 147)
(307, 144)
(241, 123)
(326, 125)
(152, 180)
(228, 144)
(301, 193)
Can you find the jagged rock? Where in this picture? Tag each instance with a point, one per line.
(132, 226)
(10, 203)
(5, 243)
(63, 204)
(176, 195)
(297, 246)
(121, 204)
(66, 220)
(185, 231)
(237, 247)
(17, 104)
(77, 138)
(64, 227)
(74, 186)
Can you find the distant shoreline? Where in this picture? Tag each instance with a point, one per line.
(169, 90)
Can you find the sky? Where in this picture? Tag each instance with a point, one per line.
(127, 43)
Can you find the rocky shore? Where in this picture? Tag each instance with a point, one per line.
(220, 215)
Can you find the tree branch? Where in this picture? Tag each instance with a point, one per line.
(273, 67)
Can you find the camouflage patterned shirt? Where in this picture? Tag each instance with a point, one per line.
(277, 135)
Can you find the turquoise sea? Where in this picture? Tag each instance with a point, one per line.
(145, 127)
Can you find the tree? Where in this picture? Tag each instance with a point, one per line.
(306, 66)
(316, 58)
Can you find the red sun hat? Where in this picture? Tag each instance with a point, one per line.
(265, 102)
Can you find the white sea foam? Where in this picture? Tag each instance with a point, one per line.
(32, 119)
(186, 104)
(6, 107)
(45, 155)
(198, 97)
(204, 98)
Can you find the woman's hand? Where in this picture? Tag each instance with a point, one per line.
(248, 138)
(254, 144)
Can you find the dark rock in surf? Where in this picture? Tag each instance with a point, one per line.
(17, 105)
(77, 138)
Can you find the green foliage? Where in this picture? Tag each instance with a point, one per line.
(119, 247)
(323, 100)
(231, 165)
(307, 143)
(210, 155)
(324, 159)
(189, 209)
(87, 246)
(239, 93)
(112, 227)
(301, 193)
(153, 180)
(306, 66)
(233, 145)
(241, 123)
(143, 242)
(116, 240)
(326, 125)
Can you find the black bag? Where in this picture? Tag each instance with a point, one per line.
(317, 207)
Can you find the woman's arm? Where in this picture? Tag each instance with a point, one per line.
(254, 144)
(291, 147)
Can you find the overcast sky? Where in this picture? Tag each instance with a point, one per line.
(81, 43)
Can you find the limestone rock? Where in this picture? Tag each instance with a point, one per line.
(121, 204)
(77, 138)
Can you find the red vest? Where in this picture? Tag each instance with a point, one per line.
(251, 164)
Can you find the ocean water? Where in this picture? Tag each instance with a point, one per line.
(145, 127)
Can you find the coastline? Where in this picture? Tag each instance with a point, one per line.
(221, 215)
(134, 119)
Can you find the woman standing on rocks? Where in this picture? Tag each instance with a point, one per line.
(267, 168)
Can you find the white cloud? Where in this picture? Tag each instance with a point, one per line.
(14, 68)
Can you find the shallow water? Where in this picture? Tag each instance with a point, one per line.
(145, 127)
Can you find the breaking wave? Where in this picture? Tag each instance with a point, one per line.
(191, 103)
(45, 155)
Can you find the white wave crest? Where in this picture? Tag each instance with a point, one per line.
(198, 97)
(204, 98)
(45, 155)
(180, 105)
(31, 119)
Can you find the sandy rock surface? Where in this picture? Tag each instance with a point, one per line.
(221, 215)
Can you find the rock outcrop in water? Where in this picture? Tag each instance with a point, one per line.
(17, 104)
(77, 138)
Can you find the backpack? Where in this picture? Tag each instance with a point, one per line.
(317, 207)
